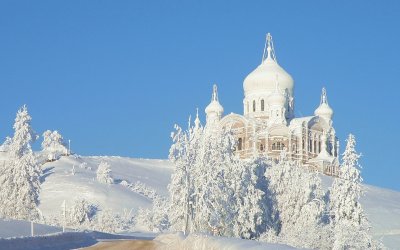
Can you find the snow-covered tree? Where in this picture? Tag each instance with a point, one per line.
(249, 199)
(5, 147)
(53, 145)
(19, 177)
(82, 212)
(103, 173)
(350, 225)
(183, 154)
(299, 203)
(154, 219)
(107, 222)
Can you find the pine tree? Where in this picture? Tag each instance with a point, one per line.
(20, 176)
(103, 173)
(350, 225)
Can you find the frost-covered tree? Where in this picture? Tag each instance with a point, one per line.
(19, 177)
(103, 173)
(107, 222)
(53, 144)
(183, 154)
(82, 212)
(249, 199)
(350, 225)
(154, 219)
(5, 147)
(299, 203)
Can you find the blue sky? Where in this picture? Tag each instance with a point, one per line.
(115, 76)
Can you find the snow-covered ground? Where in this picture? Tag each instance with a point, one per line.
(381, 205)
(206, 242)
(60, 184)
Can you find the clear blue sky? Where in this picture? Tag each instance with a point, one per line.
(114, 76)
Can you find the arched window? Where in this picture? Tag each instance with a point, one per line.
(240, 143)
(262, 105)
(310, 146)
(254, 106)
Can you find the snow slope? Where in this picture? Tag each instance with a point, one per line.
(381, 205)
(60, 184)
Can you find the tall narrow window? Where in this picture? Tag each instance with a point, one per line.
(315, 147)
(319, 146)
(262, 105)
(240, 142)
(273, 146)
(278, 145)
(254, 106)
(261, 147)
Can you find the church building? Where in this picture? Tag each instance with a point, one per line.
(268, 125)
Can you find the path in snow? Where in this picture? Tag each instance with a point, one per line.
(124, 244)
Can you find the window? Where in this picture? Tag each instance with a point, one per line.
(315, 147)
(273, 146)
(278, 145)
(240, 143)
(254, 106)
(302, 144)
(319, 146)
(261, 147)
(310, 146)
(262, 105)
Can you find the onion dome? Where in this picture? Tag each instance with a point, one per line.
(262, 79)
(324, 110)
(214, 106)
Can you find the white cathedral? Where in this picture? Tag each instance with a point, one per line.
(268, 126)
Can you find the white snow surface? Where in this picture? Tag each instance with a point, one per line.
(60, 184)
(382, 206)
(205, 242)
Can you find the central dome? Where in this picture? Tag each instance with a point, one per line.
(263, 78)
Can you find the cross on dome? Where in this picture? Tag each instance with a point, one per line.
(215, 93)
(324, 97)
(269, 51)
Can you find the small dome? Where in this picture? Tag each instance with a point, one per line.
(214, 106)
(324, 111)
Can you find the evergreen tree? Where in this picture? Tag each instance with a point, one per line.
(19, 177)
(349, 223)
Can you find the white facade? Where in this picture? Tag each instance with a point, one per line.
(268, 125)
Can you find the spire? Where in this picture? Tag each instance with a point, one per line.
(324, 97)
(269, 51)
(215, 93)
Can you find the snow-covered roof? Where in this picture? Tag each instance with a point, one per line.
(263, 78)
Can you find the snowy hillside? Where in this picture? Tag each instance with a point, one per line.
(381, 205)
(61, 184)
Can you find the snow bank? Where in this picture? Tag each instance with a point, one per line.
(19, 228)
(200, 241)
(59, 241)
